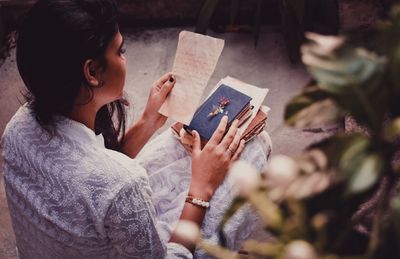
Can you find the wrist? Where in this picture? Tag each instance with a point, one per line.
(153, 121)
(203, 193)
(148, 121)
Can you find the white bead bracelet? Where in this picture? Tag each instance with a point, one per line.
(197, 201)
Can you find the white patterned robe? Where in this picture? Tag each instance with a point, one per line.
(70, 197)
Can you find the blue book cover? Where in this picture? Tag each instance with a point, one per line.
(224, 101)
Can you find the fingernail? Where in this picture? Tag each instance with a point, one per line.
(171, 79)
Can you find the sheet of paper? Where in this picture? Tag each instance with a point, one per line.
(195, 60)
(258, 94)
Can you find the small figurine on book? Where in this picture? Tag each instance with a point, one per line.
(230, 97)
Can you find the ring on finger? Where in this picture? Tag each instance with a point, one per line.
(233, 147)
(231, 151)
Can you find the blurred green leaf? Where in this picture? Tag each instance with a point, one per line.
(346, 145)
(359, 166)
(205, 16)
(352, 76)
(303, 100)
(295, 225)
(338, 71)
(217, 251)
(395, 204)
(268, 210)
(308, 185)
(392, 131)
(269, 248)
(316, 114)
(366, 173)
(311, 108)
(356, 149)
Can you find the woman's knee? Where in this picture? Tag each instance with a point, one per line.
(258, 150)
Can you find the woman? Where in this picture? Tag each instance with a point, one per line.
(73, 189)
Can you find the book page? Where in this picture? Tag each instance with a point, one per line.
(195, 60)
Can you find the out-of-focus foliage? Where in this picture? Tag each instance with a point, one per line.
(310, 203)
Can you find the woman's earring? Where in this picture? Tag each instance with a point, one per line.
(101, 83)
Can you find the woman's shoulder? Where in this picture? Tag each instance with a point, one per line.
(68, 165)
(23, 121)
(73, 155)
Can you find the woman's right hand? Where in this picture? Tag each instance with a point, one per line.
(210, 165)
(209, 168)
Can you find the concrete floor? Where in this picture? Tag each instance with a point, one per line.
(150, 54)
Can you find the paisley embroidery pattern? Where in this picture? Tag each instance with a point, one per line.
(69, 197)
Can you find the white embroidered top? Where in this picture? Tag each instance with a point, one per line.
(70, 197)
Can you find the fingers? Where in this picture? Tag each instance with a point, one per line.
(186, 138)
(230, 136)
(167, 86)
(220, 131)
(164, 78)
(235, 143)
(238, 150)
(196, 142)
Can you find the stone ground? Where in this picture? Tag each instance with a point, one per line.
(150, 53)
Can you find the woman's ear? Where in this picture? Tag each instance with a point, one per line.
(90, 71)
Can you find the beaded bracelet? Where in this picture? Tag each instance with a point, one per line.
(198, 202)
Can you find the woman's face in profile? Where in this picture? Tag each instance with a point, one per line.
(114, 73)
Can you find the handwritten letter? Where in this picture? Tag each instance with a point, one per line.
(195, 61)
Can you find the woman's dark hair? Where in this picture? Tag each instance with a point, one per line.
(54, 41)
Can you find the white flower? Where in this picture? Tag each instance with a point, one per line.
(188, 230)
(281, 170)
(244, 177)
(299, 249)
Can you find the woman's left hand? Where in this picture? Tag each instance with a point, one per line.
(158, 93)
